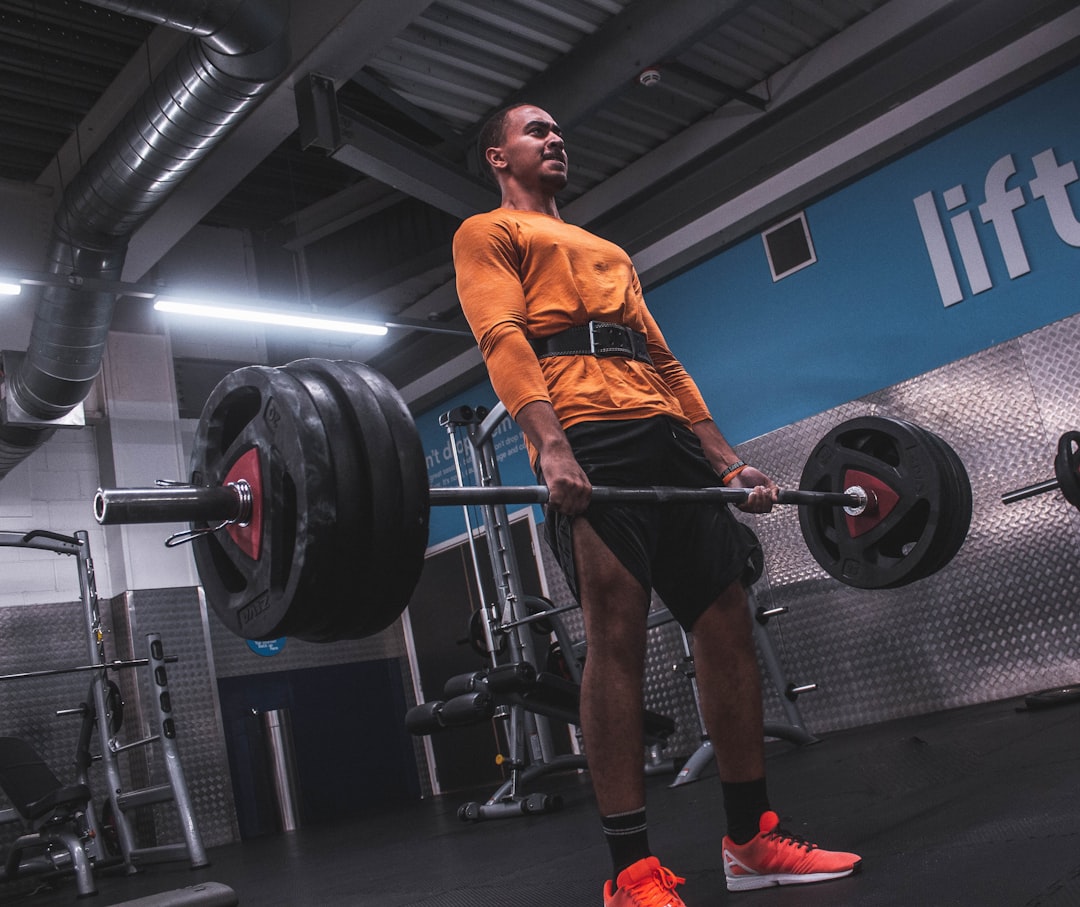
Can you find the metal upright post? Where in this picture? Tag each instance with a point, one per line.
(96, 649)
(167, 736)
(504, 568)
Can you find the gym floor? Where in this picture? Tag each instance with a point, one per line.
(975, 806)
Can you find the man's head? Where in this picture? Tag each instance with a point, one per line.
(523, 142)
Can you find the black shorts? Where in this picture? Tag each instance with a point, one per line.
(688, 552)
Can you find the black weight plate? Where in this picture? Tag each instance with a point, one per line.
(892, 551)
(363, 609)
(266, 410)
(395, 563)
(957, 505)
(477, 639)
(954, 520)
(346, 563)
(414, 506)
(114, 706)
(1067, 466)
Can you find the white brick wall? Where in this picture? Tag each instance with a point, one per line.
(49, 490)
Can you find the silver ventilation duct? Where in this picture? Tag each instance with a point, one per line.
(238, 49)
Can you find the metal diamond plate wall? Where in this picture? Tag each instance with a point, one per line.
(1002, 619)
(174, 614)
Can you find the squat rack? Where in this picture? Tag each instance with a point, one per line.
(99, 712)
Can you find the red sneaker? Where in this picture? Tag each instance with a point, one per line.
(775, 857)
(644, 884)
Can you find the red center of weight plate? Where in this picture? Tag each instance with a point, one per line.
(248, 537)
(885, 497)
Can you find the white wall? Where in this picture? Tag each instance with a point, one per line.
(52, 490)
(139, 444)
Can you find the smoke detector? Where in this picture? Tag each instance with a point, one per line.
(649, 77)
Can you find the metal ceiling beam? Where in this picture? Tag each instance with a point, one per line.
(417, 114)
(642, 34)
(380, 153)
(377, 152)
(355, 203)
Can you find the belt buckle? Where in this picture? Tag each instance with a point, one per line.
(628, 340)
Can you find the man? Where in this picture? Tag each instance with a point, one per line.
(582, 367)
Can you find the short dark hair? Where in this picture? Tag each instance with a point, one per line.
(493, 132)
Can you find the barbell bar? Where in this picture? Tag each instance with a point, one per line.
(80, 669)
(232, 503)
(309, 501)
(1066, 474)
(1030, 491)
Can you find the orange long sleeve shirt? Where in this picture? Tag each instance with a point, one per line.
(524, 275)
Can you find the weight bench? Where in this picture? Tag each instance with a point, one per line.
(477, 696)
(54, 813)
(474, 697)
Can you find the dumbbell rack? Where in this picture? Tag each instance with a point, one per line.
(97, 713)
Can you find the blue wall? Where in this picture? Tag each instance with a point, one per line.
(514, 468)
(869, 313)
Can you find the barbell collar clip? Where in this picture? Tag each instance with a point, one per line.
(865, 501)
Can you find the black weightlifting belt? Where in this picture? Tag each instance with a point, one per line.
(597, 338)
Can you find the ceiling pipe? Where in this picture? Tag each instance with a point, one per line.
(239, 48)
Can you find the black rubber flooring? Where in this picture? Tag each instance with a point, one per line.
(976, 806)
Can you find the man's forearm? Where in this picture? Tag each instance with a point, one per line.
(718, 452)
(568, 486)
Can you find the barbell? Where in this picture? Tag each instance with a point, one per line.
(309, 501)
(1066, 474)
(79, 669)
(234, 502)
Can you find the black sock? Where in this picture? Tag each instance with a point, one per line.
(627, 835)
(744, 802)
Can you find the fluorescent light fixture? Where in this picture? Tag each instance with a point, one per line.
(10, 289)
(268, 316)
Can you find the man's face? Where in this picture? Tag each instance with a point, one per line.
(532, 149)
